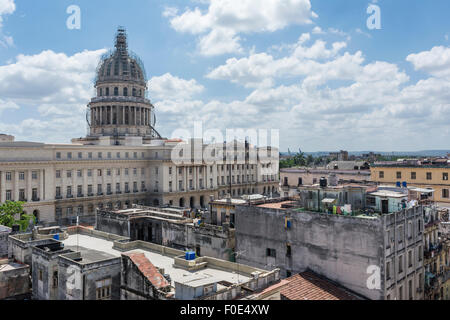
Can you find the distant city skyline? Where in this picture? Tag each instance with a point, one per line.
(312, 69)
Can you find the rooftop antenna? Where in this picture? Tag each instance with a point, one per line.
(78, 233)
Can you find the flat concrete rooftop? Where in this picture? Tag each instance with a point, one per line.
(92, 244)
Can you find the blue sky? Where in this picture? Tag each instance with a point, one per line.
(311, 69)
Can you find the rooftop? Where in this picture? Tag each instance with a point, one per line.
(159, 260)
(148, 269)
(310, 286)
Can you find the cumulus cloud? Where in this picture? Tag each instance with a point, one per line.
(171, 87)
(55, 85)
(435, 62)
(6, 7)
(224, 20)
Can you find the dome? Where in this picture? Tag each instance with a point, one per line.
(120, 64)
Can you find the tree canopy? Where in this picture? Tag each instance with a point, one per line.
(10, 210)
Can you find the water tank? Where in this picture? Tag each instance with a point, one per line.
(190, 255)
(404, 184)
(399, 184)
(323, 182)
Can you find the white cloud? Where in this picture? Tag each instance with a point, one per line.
(7, 105)
(171, 87)
(50, 77)
(6, 7)
(56, 85)
(435, 61)
(225, 19)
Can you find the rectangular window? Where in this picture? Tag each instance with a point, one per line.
(79, 190)
(118, 155)
(58, 155)
(79, 173)
(410, 260)
(69, 155)
(429, 176)
(271, 253)
(8, 176)
(381, 174)
(58, 191)
(399, 175)
(34, 175)
(69, 174)
(104, 289)
(80, 155)
(22, 195)
(8, 195)
(90, 155)
(109, 155)
(400, 264)
(388, 270)
(100, 155)
(413, 175)
(21, 175)
(445, 176)
(445, 193)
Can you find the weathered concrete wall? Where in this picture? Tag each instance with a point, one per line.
(14, 282)
(4, 232)
(78, 282)
(45, 268)
(20, 247)
(112, 223)
(340, 248)
(134, 285)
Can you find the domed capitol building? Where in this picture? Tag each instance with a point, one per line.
(123, 160)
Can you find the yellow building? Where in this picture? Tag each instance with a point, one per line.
(422, 176)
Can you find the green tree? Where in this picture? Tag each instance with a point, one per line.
(8, 212)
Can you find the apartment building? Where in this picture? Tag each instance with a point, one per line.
(347, 249)
(416, 173)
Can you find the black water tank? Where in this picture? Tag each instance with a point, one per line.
(323, 182)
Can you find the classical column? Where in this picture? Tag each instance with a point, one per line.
(101, 115)
(16, 185)
(41, 185)
(2, 187)
(29, 188)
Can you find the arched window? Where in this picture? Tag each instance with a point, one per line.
(134, 92)
(125, 92)
(116, 91)
(101, 92)
(107, 91)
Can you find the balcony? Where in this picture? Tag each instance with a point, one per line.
(58, 197)
(109, 193)
(35, 199)
(90, 194)
(69, 196)
(99, 193)
(119, 192)
(80, 195)
(127, 191)
(135, 191)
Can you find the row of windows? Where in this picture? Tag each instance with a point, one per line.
(125, 92)
(90, 155)
(79, 210)
(413, 176)
(8, 175)
(401, 262)
(90, 190)
(22, 197)
(99, 172)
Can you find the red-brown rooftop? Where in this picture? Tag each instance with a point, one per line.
(309, 286)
